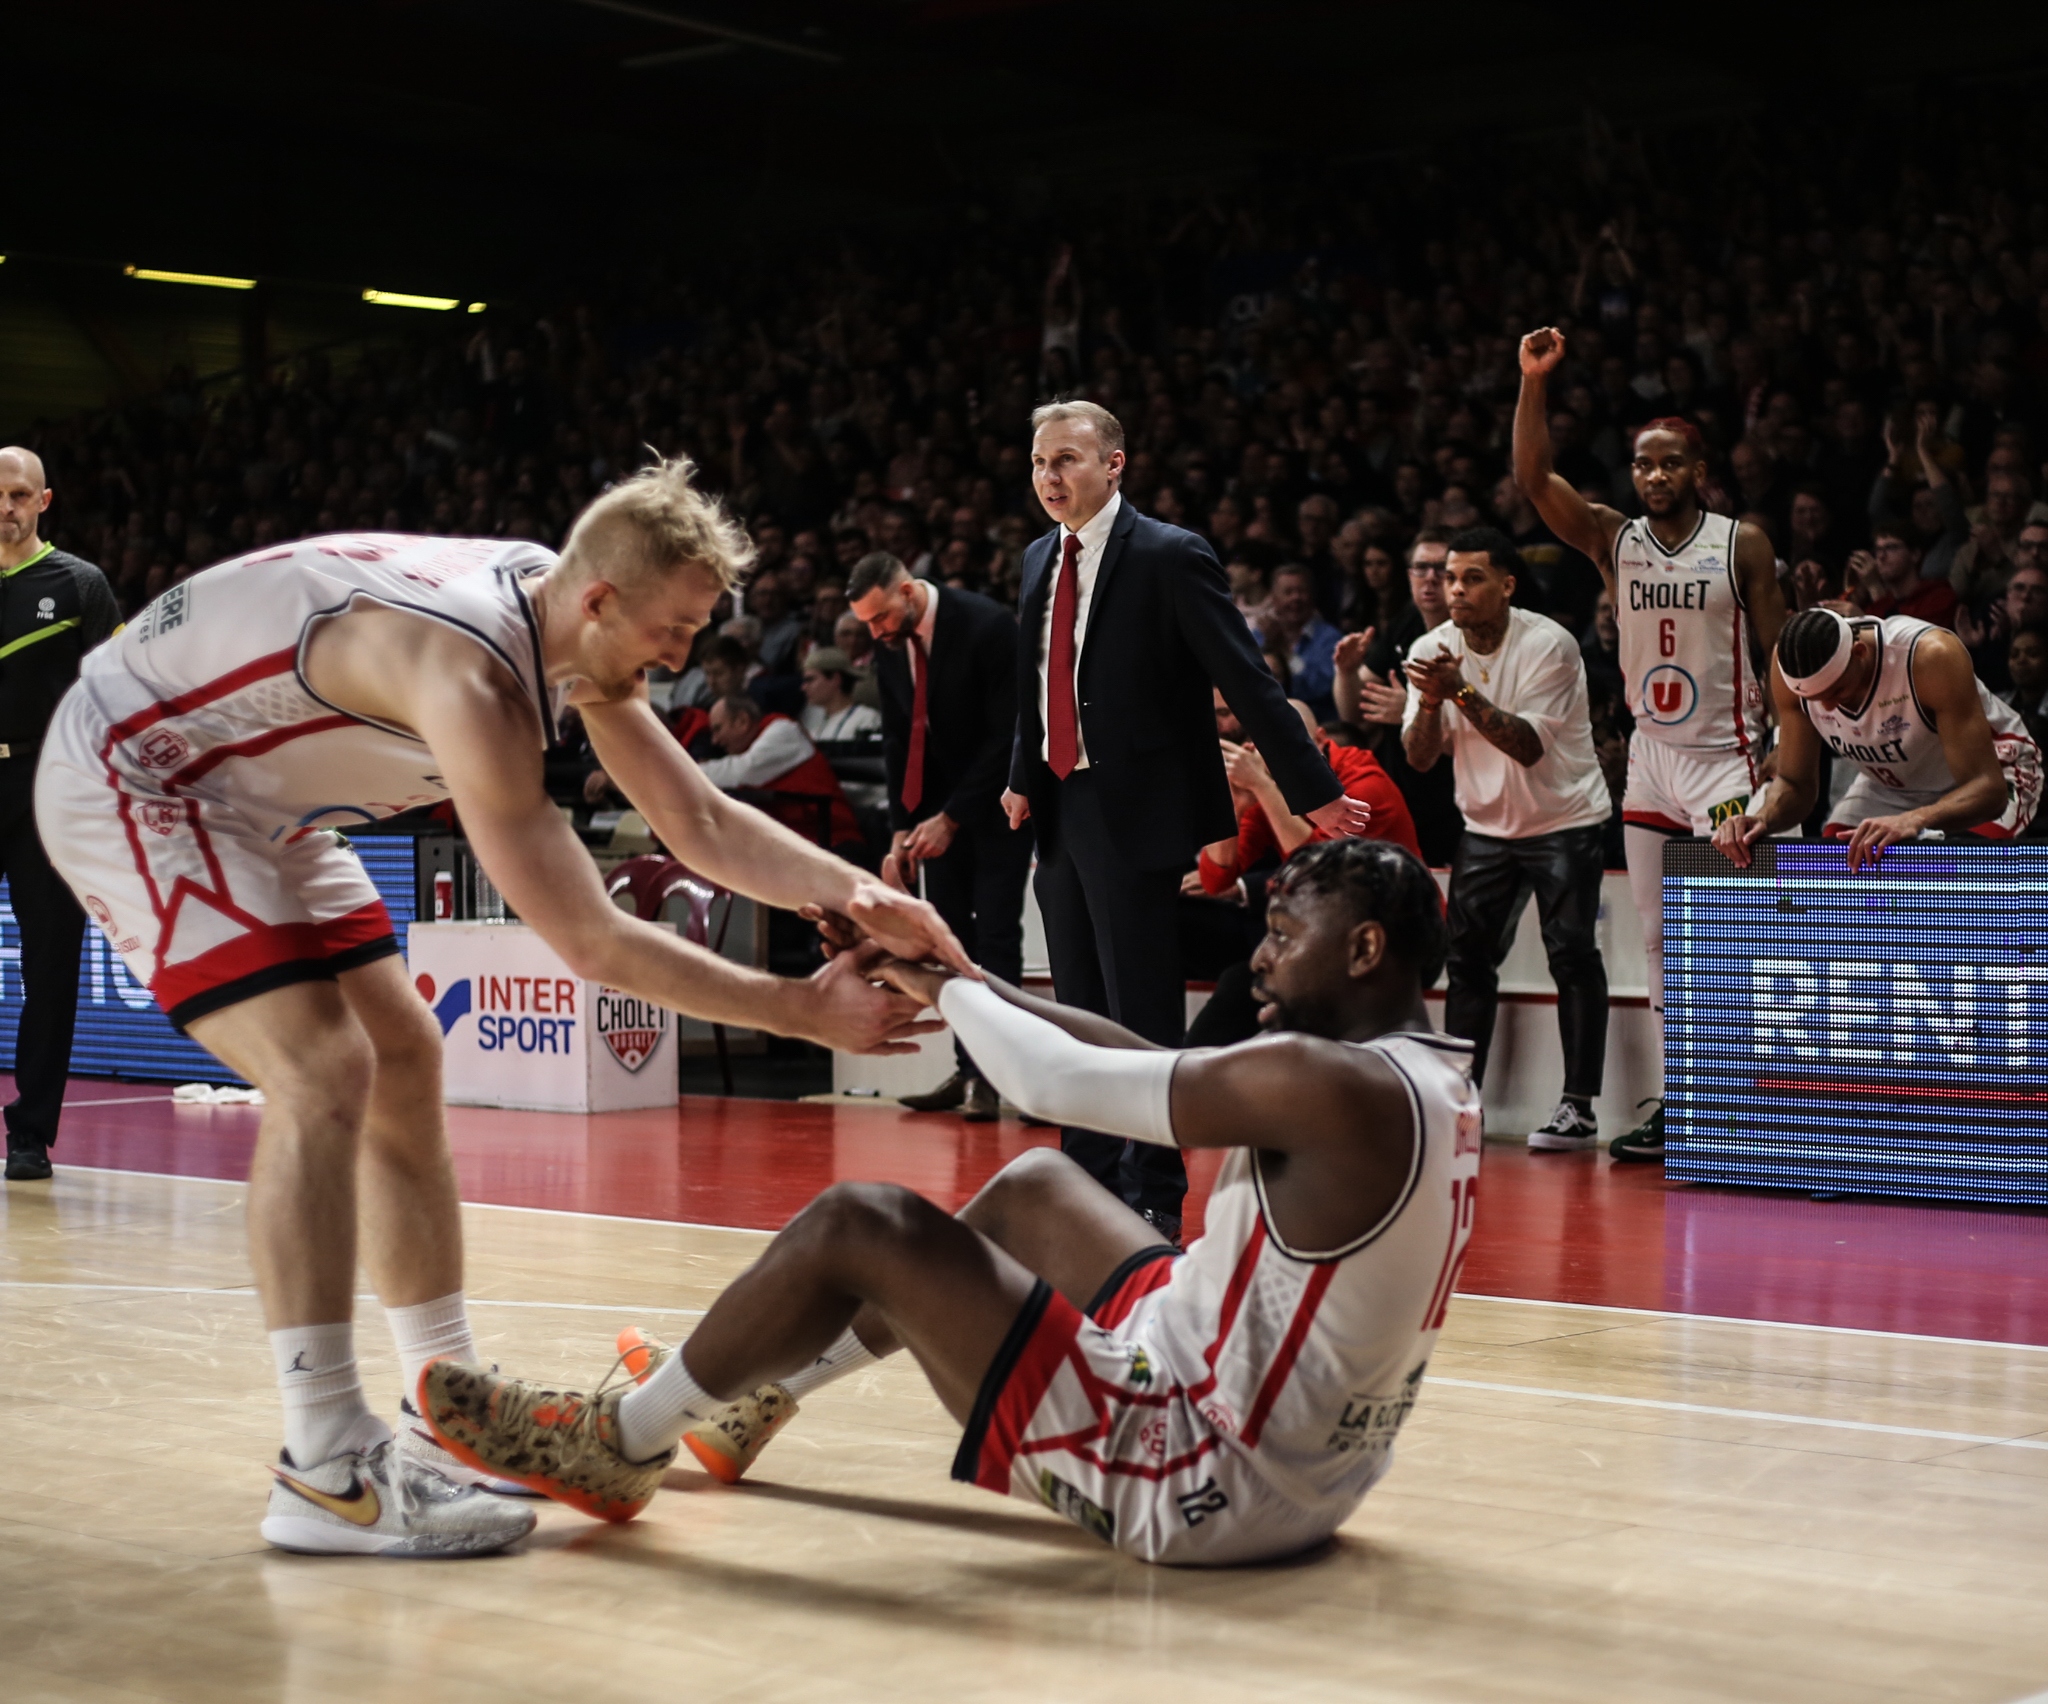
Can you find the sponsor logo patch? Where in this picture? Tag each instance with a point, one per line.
(632, 1028)
(164, 749)
(160, 816)
(1082, 1510)
(1369, 1421)
(1718, 814)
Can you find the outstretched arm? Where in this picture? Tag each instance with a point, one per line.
(1589, 528)
(1072, 1067)
(740, 848)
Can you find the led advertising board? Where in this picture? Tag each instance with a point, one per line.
(1882, 1033)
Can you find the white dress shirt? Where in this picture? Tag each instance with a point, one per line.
(1094, 537)
(777, 749)
(927, 625)
(1538, 675)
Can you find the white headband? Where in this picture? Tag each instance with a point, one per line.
(1812, 685)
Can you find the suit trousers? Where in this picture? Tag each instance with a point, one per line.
(1491, 881)
(52, 927)
(977, 886)
(1113, 934)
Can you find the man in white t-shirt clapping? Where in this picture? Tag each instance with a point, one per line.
(1504, 692)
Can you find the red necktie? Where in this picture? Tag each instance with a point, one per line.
(1062, 738)
(913, 770)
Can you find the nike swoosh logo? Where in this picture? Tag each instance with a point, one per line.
(360, 1507)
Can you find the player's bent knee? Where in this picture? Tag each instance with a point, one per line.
(328, 1076)
(854, 1215)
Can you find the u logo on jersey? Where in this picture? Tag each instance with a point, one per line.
(1670, 695)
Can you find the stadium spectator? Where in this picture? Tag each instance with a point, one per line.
(1503, 692)
(1291, 628)
(2024, 603)
(1885, 579)
(830, 710)
(768, 753)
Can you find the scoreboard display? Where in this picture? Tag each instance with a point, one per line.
(1882, 1033)
(121, 1033)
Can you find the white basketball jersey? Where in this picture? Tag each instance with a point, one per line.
(1685, 638)
(1316, 1358)
(1890, 737)
(205, 691)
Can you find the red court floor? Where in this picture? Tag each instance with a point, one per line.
(1552, 1227)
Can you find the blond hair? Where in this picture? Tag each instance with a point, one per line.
(1109, 431)
(654, 522)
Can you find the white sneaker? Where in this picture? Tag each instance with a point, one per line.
(1566, 1131)
(380, 1502)
(415, 1441)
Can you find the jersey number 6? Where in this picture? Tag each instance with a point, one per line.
(1667, 637)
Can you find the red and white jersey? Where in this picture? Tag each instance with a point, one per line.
(1890, 736)
(1685, 638)
(204, 694)
(1314, 1358)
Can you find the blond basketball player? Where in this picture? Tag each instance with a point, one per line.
(1935, 752)
(1230, 1404)
(1692, 591)
(190, 790)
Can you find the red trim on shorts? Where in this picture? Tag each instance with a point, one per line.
(264, 947)
(1657, 820)
(1289, 1352)
(1153, 1275)
(1031, 1376)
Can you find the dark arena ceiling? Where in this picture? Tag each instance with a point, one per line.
(506, 139)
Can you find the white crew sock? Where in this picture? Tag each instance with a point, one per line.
(428, 1331)
(324, 1411)
(849, 1354)
(653, 1416)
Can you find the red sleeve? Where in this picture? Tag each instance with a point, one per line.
(688, 724)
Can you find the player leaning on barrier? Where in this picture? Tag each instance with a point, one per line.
(1936, 753)
(186, 793)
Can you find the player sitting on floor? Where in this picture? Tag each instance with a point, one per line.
(1937, 753)
(1226, 1405)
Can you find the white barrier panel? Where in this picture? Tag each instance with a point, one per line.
(519, 1030)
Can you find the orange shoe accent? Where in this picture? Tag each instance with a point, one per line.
(715, 1462)
(637, 1353)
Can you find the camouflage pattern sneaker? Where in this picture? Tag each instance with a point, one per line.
(416, 1441)
(562, 1443)
(732, 1440)
(380, 1502)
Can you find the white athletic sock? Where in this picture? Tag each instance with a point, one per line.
(849, 1354)
(428, 1331)
(653, 1416)
(324, 1410)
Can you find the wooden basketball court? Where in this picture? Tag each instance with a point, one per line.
(1592, 1501)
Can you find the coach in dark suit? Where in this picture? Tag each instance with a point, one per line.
(947, 672)
(1125, 625)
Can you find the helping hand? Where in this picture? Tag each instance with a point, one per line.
(849, 1014)
(907, 927)
(919, 982)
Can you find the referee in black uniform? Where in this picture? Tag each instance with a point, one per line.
(53, 609)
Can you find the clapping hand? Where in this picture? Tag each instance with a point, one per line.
(1436, 678)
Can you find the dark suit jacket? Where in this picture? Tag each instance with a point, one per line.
(1161, 632)
(970, 711)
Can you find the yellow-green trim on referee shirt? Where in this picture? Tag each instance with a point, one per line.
(28, 639)
(9, 573)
